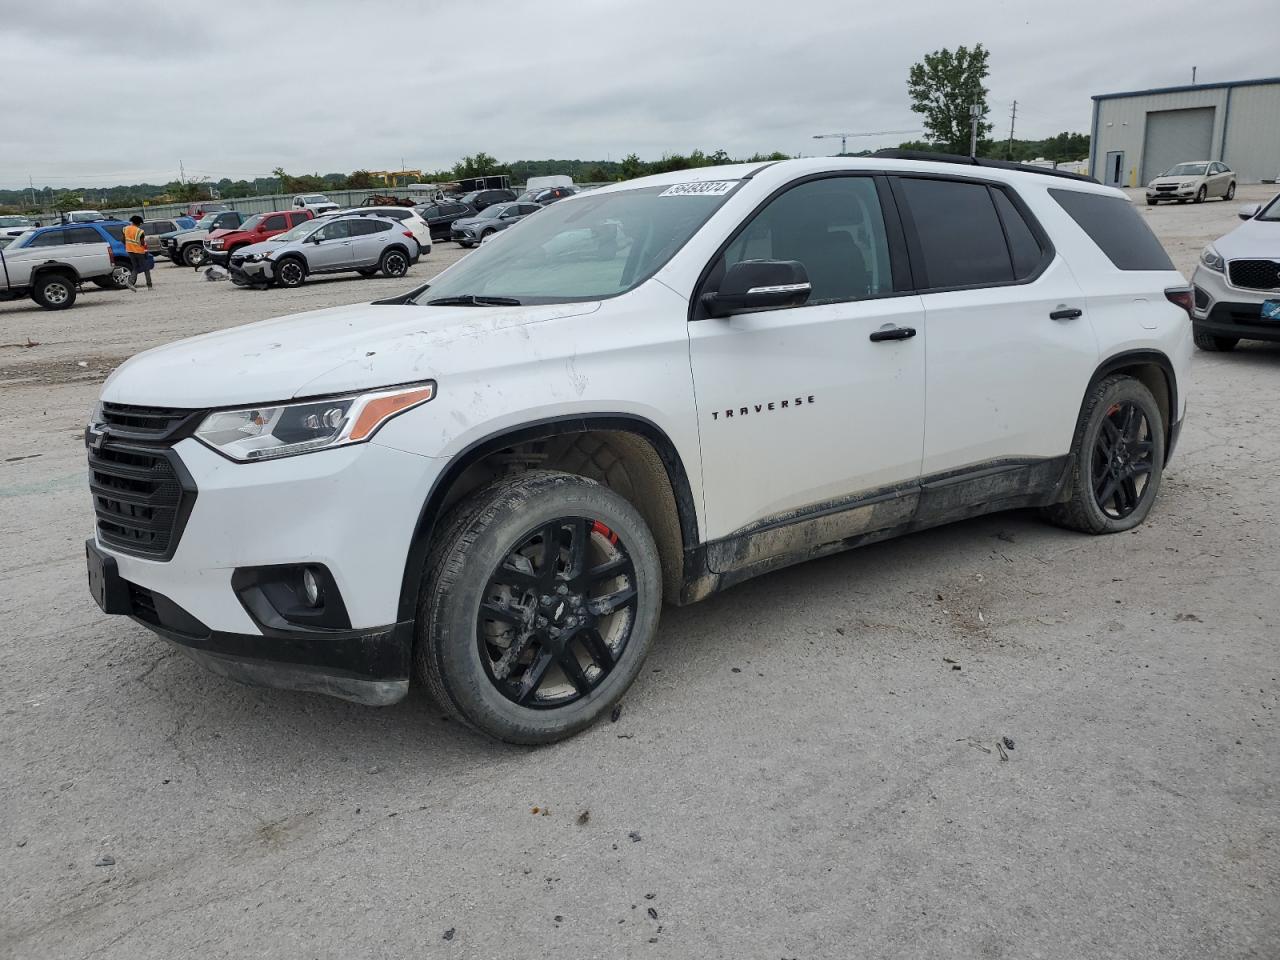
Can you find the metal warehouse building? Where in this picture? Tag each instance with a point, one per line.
(1139, 135)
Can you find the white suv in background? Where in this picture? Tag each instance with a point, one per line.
(649, 392)
(1237, 282)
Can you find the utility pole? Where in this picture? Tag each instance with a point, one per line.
(182, 173)
(1193, 74)
(975, 114)
(1013, 118)
(32, 187)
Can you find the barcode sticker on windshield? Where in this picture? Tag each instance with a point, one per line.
(706, 188)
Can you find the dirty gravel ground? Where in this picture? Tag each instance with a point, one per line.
(800, 771)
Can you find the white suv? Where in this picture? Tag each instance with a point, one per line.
(648, 392)
(1237, 282)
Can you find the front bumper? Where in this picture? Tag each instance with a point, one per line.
(1181, 193)
(250, 274)
(1229, 311)
(316, 509)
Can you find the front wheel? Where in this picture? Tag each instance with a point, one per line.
(1119, 459)
(54, 291)
(193, 255)
(539, 603)
(394, 263)
(1202, 193)
(290, 273)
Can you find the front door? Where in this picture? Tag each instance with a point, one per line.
(1114, 176)
(801, 415)
(329, 248)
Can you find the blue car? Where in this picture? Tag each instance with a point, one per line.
(99, 231)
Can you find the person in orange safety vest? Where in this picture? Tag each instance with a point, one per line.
(135, 244)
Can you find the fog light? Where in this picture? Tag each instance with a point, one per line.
(310, 587)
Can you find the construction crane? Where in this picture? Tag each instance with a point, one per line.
(844, 137)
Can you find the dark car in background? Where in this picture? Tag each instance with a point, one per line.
(479, 199)
(472, 230)
(546, 195)
(442, 215)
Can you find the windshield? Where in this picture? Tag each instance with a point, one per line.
(207, 221)
(585, 248)
(316, 198)
(14, 222)
(298, 232)
(1187, 170)
(250, 223)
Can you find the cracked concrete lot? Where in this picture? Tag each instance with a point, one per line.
(811, 765)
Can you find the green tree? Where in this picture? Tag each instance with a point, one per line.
(943, 86)
(1065, 146)
(67, 201)
(632, 167)
(360, 180)
(479, 164)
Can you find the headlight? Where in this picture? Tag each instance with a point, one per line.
(1212, 259)
(1187, 184)
(214, 244)
(263, 433)
(254, 257)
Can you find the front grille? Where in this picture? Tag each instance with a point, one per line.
(1255, 274)
(1166, 187)
(139, 497)
(150, 423)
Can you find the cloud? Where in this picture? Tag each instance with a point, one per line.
(327, 85)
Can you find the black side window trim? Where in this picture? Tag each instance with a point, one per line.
(898, 259)
(1047, 251)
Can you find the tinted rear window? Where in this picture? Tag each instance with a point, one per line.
(959, 233)
(1117, 229)
(1023, 245)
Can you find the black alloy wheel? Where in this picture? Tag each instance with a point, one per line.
(557, 613)
(394, 264)
(1122, 460)
(290, 273)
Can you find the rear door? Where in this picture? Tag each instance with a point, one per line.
(1010, 347)
(368, 239)
(801, 414)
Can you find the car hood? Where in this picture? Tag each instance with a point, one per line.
(224, 232)
(262, 246)
(1173, 180)
(181, 235)
(1253, 239)
(340, 350)
(472, 221)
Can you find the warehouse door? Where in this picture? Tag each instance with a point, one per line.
(1176, 136)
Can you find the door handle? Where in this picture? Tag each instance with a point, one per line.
(1066, 313)
(896, 333)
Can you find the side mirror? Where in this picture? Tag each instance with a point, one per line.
(1249, 211)
(752, 285)
(315, 237)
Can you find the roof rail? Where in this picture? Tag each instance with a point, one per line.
(977, 162)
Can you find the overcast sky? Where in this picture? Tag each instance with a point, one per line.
(98, 94)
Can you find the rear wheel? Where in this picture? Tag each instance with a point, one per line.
(1231, 192)
(1208, 341)
(540, 600)
(290, 272)
(394, 263)
(121, 271)
(193, 255)
(1119, 459)
(54, 291)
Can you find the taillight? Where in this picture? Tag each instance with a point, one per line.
(408, 234)
(1182, 297)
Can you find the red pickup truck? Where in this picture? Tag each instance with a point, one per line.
(220, 244)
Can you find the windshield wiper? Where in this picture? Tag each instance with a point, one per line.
(471, 300)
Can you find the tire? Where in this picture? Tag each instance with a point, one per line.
(120, 273)
(394, 263)
(1231, 191)
(1120, 429)
(1202, 193)
(367, 272)
(464, 657)
(486, 234)
(1208, 341)
(193, 255)
(54, 291)
(466, 243)
(291, 272)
